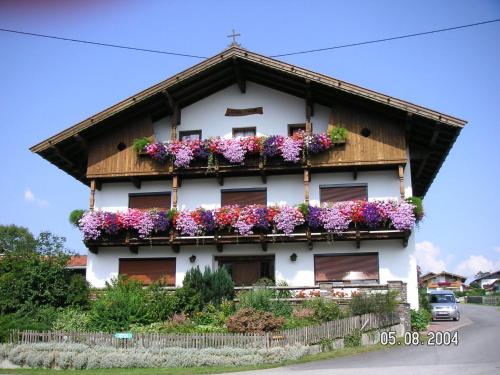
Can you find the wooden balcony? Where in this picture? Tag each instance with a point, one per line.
(305, 236)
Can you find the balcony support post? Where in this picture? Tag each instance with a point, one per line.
(93, 186)
(401, 174)
(175, 188)
(307, 180)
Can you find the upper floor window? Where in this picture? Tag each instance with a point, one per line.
(341, 193)
(295, 128)
(190, 135)
(146, 201)
(244, 132)
(243, 197)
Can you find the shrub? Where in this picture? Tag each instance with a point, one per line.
(72, 320)
(423, 299)
(264, 299)
(140, 143)
(420, 319)
(248, 320)
(338, 134)
(418, 209)
(37, 320)
(377, 303)
(198, 289)
(76, 356)
(353, 339)
(75, 216)
(324, 310)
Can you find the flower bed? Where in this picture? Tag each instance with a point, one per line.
(235, 151)
(254, 219)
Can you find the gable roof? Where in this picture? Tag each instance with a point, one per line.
(77, 261)
(431, 275)
(430, 134)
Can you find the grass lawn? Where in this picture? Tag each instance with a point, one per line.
(200, 370)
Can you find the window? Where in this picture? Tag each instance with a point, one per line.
(346, 267)
(149, 270)
(342, 193)
(295, 128)
(243, 197)
(244, 132)
(247, 270)
(146, 201)
(190, 135)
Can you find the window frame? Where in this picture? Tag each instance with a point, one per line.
(291, 127)
(376, 253)
(184, 133)
(174, 259)
(326, 186)
(244, 129)
(153, 193)
(244, 190)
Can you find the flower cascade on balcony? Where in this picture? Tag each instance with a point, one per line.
(234, 150)
(246, 220)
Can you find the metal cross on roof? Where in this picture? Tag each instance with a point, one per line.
(234, 35)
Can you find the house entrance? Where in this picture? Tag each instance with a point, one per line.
(246, 270)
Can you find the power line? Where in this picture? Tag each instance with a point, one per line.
(103, 44)
(280, 55)
(387, 39)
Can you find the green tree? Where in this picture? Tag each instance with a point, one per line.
(14, 239)
(35, 275)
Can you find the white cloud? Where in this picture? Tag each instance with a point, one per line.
(429, 257)
(475, 263)
(30, 197)
(497, 249)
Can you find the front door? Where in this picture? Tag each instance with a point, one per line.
(248, 270)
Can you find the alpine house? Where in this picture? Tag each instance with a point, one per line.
(259, 166)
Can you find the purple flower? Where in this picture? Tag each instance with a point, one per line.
(232, 150)
(313, 217)
(157, 151)
(186, 224)
(290, 149)
(402, 215)
(287, 219)
(207, 221)
(161, 221)
(262, 221)
(91, 225)
(335, 218)
(372, 215)
(272, 145)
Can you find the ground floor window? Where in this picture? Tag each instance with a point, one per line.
(149, 270)
(346, 267)
(246, 270)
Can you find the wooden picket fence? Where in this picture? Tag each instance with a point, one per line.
(305, 335)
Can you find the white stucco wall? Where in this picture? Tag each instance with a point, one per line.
(395, 261)
(279, 109)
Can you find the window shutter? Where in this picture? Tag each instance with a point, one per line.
(148, 201)
(149, 270)
(343, 193)
(346, 267)
(244, 198)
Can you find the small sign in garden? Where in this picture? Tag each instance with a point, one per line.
(123, 335)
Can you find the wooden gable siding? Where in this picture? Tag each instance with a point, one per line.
(385, 145)
(105, 160)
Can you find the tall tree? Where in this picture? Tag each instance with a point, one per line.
(14, 239)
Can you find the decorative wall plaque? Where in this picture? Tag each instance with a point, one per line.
(244, 111)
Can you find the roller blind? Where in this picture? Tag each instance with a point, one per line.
(343, 193)
(147, 201)
(346, 267)
(243, 198)
(149, 270)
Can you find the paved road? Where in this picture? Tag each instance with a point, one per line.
(478, 352)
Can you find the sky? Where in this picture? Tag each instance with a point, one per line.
(48, 85)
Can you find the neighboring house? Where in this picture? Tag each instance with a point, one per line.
(490, 281)
(443, 281)
(78, 264)
(394, 150)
